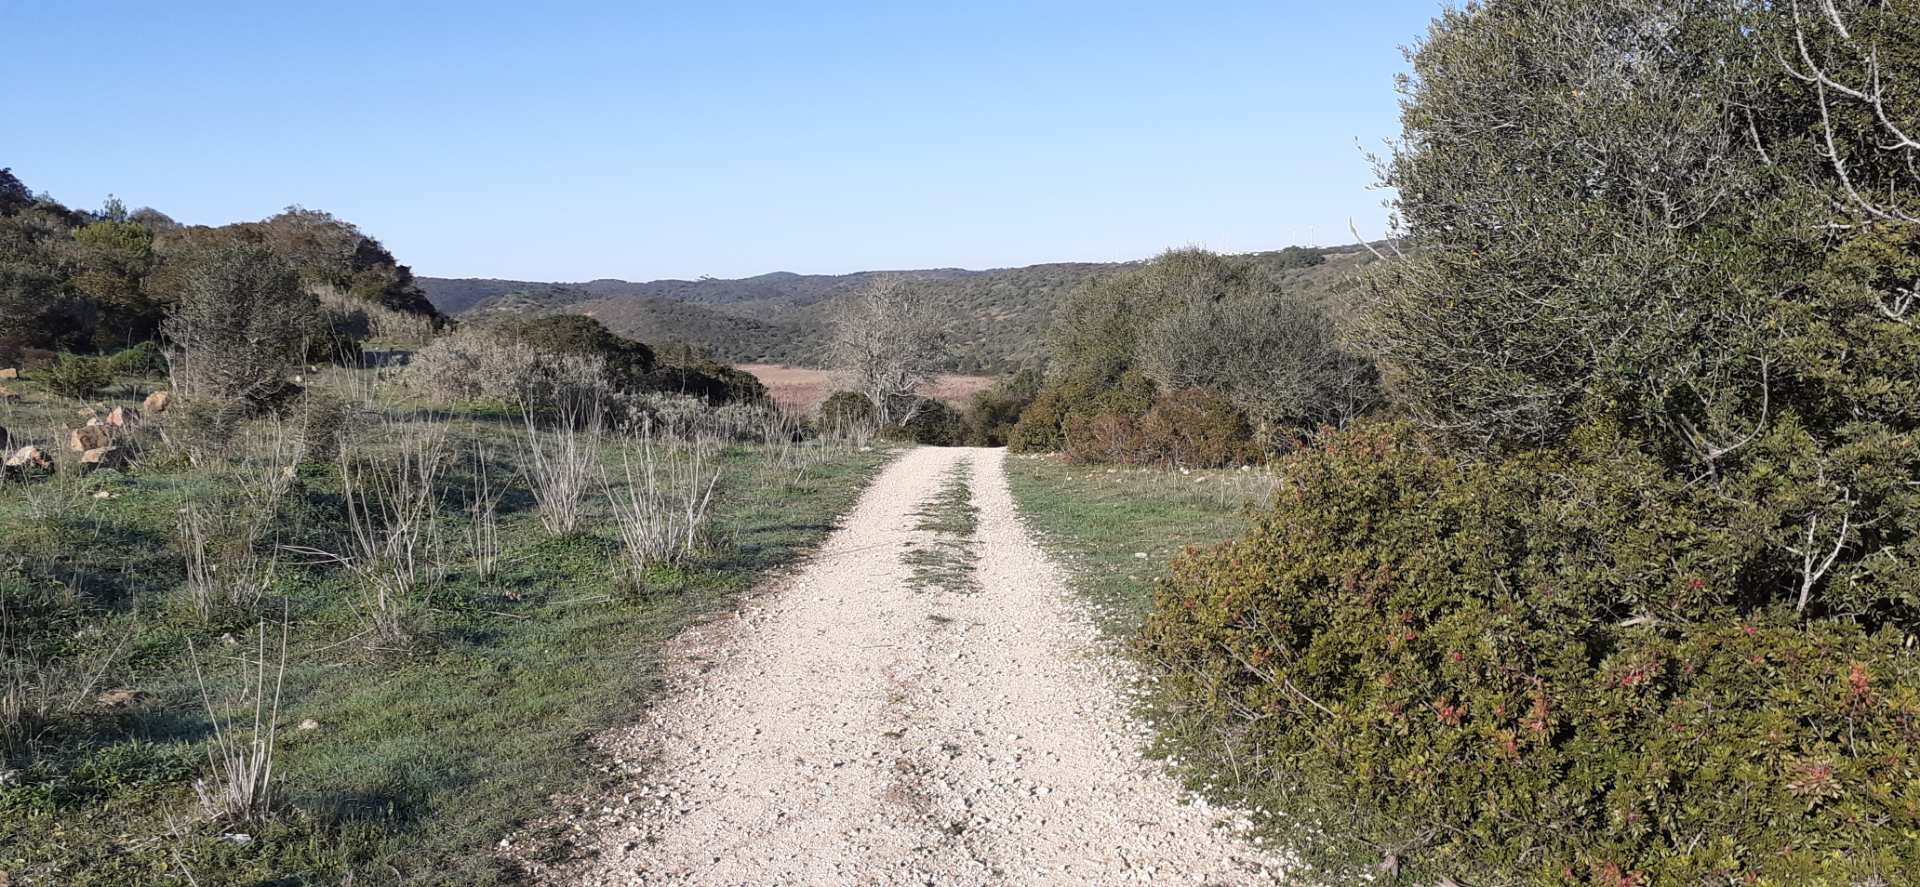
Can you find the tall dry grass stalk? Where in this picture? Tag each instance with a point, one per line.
(483, 531)
(240, 785)
(562, 463)
(665, 510)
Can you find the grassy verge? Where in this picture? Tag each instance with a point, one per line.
(396, 764)
(1115, 529)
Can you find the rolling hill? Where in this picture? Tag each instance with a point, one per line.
(1000, 316)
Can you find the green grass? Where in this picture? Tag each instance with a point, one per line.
(423, 758)
(1116, 529)
(946, 562)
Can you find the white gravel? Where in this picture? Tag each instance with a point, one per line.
(849, 729)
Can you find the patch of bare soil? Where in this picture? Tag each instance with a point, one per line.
(803, 389)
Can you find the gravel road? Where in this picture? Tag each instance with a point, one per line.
(852, 726)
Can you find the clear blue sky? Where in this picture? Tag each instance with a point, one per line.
(569, 141)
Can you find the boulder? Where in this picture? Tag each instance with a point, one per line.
(104, 457)
(9, 374)
(122, 417)
(158, 402)
(91, 437)
(27, 462)
(8, 395)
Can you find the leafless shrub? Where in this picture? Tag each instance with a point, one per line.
(240, 787)
(665, 509)
(561, 463)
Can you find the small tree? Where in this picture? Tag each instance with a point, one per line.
(241, 320)
(889, 339)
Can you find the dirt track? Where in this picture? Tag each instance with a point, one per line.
(852, 728)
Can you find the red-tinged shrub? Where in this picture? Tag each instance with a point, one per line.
(1564, 667)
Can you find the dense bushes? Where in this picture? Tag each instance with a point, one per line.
(1193, 428)
(1191, 320)
(992, 414)
(692, 371)
(102, 281)
(627, 362)
(570, 361)
(1567, 666)
(77, 377)
(477, 365)
(1637, 604)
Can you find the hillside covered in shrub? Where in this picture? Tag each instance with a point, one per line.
(101, 281)
(1000, 317)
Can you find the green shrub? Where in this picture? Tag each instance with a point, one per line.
(77, 377)
(145, 361)
(709, 380)
(992, 414)
(1194, 428)
(845, 409)
(628, 363)
(1197, 428)
(1567, 667)
(936, 424)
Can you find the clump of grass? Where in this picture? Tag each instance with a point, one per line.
(665, 509)
(561, 464)
(946, 562)
(240, 785)
(483, 512)
(225, 571)
(36, 688)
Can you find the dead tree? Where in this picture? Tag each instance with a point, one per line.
(889, 340)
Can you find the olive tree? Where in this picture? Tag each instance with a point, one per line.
(1565, 182)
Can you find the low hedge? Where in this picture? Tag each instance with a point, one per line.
(1565, 667)
(1192, 428)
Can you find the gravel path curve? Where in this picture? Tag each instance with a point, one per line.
(850, 728)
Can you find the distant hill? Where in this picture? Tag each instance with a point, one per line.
(1000, 317)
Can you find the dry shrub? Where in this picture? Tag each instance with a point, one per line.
(664, 511)
(240, 787)
(389, 484)
(483, 512)
(225, 571)
(561, 463)
(476, 366)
